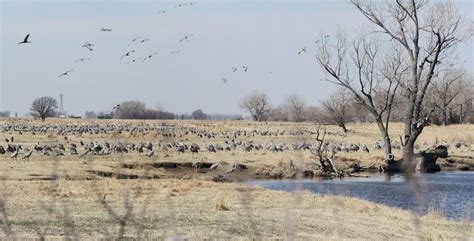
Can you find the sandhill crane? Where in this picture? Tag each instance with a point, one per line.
(127, 54)
(27, 155)
(12, 139)
(245, 68)
(105, 29)
(88, 46)
(224, 80)
(25, 41)
(65, 73)
(234, 69)
(149, 56)
(81, 60)
(186, 38)
(175, 52)
(14, 155)
(134, 40)
(150, 154)
(303, 50)
(6, 140)
(144, 40)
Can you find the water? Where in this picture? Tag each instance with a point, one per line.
(449, 193)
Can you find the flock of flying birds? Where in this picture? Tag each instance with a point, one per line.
(141, 40)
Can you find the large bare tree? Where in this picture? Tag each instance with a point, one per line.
(427, 33)
(371, 77)
(256, 103)
(421, 35)
(44, 107)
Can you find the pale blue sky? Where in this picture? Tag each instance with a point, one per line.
(264, 35)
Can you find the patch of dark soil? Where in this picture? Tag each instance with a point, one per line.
(110, 174)
(169, 165)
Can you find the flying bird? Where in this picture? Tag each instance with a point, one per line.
(162, 12)
(25, 41)
(65, 73)
(176, 52)
(105, 29)
(127, 54)
(245, 68)
(224, 80)
(88, 46)
(186, 38)
(234, 69)
(144, 40)
(81, 60)
(149, 56)
(133, 61)
(303, 50)
(134, 40)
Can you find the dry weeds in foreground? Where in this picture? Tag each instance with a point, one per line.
(187, 208)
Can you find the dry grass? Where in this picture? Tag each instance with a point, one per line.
(39, 166)
(190, 212)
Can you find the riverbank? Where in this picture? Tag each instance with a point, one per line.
(206, 210)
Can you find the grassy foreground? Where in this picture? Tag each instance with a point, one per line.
(200, 210)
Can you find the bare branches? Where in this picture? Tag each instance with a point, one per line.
(256, 103)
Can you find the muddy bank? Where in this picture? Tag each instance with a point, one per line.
(238, 172)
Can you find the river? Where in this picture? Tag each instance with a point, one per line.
(449, 193)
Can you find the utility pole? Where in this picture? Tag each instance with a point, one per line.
(61, 106)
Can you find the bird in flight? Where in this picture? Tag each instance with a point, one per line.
(25, 41)
(81, 60)
(245, 68)
(186, 38)
(65, 73)
(127, 54)
(234, 69)
(133, 61)
(88, 46)
(224, 80)
(144, 40)
(105, 29)
(175, 52)
(303, 50)
(162, 12)
(149, 56)
(134, 40)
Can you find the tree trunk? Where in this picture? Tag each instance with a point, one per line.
(445, 117)
(409, 154)
(343, 126)
(386, 140)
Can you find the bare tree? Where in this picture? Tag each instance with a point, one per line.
(91, 115)
(445, 90)
(295, 106)
(278, 113)
(313, 114)
(5, 114)
(365, 74)
(199, 115)
(427, 34)
(256, 103)
(44, 107)
(337, 108)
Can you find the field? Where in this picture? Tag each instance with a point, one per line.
(56, 194)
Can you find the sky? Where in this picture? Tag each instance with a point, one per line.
(264, 35)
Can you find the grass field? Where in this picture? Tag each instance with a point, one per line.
(62, 196)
